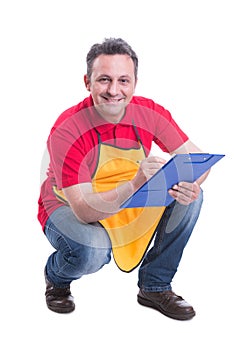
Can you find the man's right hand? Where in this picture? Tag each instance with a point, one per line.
(148, 167)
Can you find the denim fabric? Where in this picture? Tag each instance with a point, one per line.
(81, 249)
(173, 232)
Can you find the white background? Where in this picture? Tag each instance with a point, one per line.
(185, 51)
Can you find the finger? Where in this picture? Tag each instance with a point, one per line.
(191, 186)
(152, 163)
(156, 159)
(180, 197)
(189, 189)
(185, 194)
(150, 172)
(184, 191)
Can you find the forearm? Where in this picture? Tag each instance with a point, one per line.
(190, 147)
(92, 206)
(202, 178)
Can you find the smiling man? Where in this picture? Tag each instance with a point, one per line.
(112, 84)
(99, 156)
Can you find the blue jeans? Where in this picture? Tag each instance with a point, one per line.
(172, 234)
(83, 249)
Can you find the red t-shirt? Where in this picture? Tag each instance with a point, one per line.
(74, 139)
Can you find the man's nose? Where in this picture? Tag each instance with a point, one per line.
(113, 88)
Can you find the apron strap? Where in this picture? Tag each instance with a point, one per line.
(138, 136)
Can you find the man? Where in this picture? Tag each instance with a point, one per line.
(99, 156)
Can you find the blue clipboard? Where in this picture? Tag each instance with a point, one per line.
(181, 167)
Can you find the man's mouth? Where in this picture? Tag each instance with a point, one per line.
(113, 100)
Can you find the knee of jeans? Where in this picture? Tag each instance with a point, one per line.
(197, 204)
(184, 215)
(200, 198)
(86, 260)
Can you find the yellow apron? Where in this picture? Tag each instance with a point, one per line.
(132, 229)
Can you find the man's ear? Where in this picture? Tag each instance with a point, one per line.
(87, 82)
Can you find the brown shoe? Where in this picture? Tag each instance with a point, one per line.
(59, 299)
(168, 303)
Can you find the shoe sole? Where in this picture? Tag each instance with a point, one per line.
(61, 310)
(150, 304)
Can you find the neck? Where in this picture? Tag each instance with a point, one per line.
(114, 119)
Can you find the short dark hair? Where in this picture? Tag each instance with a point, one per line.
(110, 46)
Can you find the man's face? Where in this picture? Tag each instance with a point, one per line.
(112, 85)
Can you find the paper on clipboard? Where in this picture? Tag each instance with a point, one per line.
(181, 167)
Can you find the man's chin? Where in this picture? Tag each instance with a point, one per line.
(115, 110)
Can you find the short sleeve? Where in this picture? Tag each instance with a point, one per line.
(168, 135)
(67, 155)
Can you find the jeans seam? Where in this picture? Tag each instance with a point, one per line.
(63, 238)
(59, 234)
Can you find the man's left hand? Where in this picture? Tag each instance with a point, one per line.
(185, 192)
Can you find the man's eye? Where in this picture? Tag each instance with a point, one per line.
(124, 81)
(104, 80)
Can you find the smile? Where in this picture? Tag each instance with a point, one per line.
(112, 100)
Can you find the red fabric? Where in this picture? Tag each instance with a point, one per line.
(73, 142)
